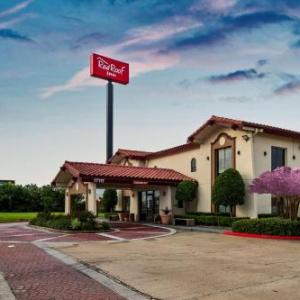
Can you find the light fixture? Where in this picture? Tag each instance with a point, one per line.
(207, 157)
(294, 157)
(239, 152)
(246, 137)
(265, 153)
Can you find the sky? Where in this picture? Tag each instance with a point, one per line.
(188, 60)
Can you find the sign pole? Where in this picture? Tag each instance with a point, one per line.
(109, 120)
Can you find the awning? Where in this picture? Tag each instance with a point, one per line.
(109, 174)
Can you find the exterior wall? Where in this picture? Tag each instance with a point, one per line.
(263, 163)
(244, 164)
(250, 162)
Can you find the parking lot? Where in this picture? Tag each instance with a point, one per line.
(194, 265)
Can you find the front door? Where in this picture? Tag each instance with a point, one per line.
(148, 205)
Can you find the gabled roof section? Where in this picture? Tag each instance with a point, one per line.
(243, 125)
(86, 171)
(128, 153)
(173, 150)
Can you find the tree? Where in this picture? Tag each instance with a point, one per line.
(284, 185)
(185, 191)
(229, 189)
(109, 200)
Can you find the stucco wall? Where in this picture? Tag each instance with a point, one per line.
(244, 164)
(262, 163)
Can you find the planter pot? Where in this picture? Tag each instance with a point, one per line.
(165, 219)
(123, 216)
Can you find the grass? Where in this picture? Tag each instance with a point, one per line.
(6, 217)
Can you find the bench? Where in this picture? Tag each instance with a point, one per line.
(180, 221)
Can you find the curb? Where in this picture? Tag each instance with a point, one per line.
(262, 236)
(206, 229)
(5, 291)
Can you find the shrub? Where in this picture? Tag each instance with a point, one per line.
(105, 226)
(87, 220)
(185, 191)
(229, 189)
(212, 220)
(109, 200)
(75, 224)
(271, 226)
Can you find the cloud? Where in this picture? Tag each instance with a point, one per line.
(236, 76)
(290, 87)
(16, 8)
(87, 39)
(8, 24)
(226, 27)
(236, 99)
(213, 6)
(142, 61)
(262, 62)
(13, 35)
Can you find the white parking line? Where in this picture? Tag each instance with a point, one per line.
(112, 237)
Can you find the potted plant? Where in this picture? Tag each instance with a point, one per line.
(166, 216)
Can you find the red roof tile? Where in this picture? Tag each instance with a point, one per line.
(239, 124)
(173, 150)
(91, 170)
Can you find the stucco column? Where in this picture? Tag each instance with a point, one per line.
(119, 206)
(167, 198)
(91, 198)
(134, 205)
(67, 202)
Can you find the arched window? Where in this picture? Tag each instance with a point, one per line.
(193, 165)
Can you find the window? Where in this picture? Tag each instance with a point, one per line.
(224, 160)
(277, 160)
(277, 157)
(193, 165)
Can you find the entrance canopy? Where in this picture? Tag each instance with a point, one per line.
(115, 175)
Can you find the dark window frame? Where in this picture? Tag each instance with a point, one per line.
(193, 165)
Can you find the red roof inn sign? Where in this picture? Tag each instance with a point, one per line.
(109, 69)
(113, 71)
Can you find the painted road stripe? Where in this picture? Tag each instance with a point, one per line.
(112, 237)
(53, 237)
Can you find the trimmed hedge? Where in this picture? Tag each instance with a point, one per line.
(270, 226)
(80, 221)
(212, 220)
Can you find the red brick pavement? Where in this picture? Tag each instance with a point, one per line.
(34, 275)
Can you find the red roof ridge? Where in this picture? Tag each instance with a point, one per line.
(173, 150)
(119, 166)
(239, 124)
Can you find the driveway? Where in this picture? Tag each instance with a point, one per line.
(194, 265)
(30, 270)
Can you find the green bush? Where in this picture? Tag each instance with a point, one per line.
(264, 216)
(229, 189)
(212, 220)
(105, 226)
(271, 226)
(185, 191)
(81, 221)
(109, 200)
(75, 224)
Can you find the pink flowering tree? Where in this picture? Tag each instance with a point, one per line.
(283, 184)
